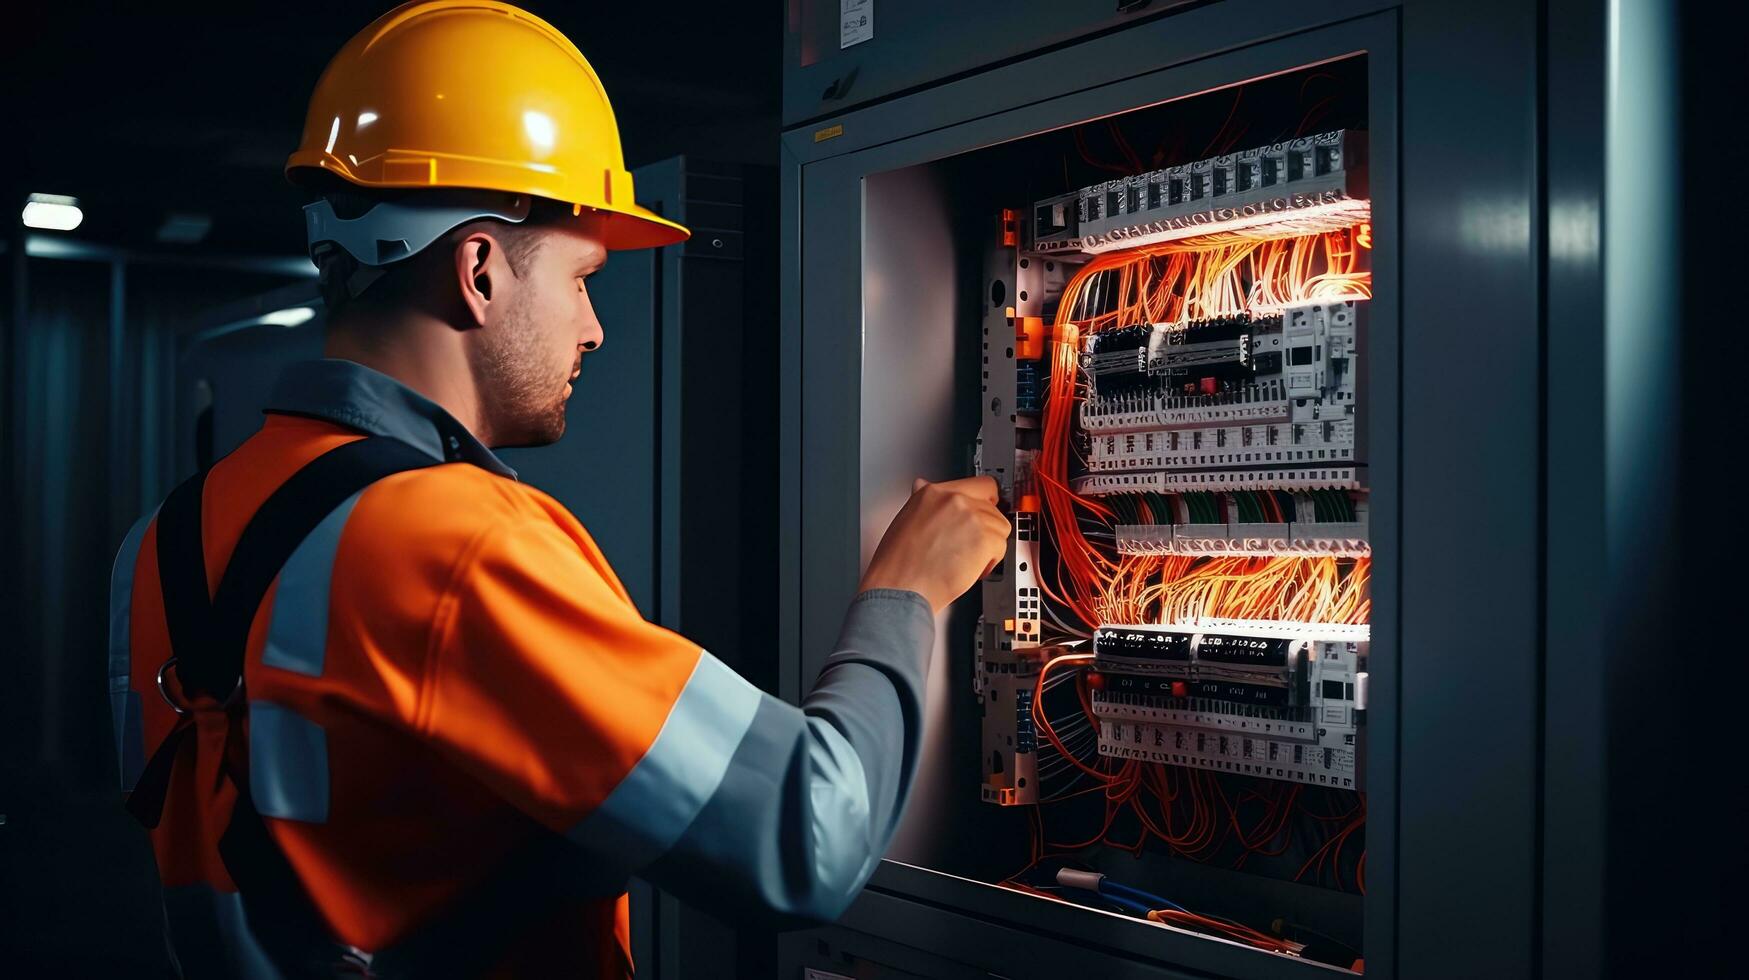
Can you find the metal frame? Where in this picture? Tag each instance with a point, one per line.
(1457, 557)
(1634, 651)
(1573, 836)
(917, 43)
(1468, 765)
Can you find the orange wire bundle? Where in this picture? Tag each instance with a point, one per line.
(1172, 283)
(1187, 809)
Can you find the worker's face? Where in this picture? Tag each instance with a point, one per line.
(548, 326)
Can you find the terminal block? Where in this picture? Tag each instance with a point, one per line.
(1311, 184)
(1278, 700)
(1009, 741)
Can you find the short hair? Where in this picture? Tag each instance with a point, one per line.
(394, 286)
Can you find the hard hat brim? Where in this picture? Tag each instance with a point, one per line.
(635, 226)
(629, 225)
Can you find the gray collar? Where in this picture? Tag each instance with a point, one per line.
(372, 402)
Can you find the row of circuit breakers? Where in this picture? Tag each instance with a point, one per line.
(1260, 402)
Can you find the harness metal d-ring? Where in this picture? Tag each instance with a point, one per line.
(181, 710)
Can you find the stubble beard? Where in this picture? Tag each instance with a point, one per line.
(528, 400)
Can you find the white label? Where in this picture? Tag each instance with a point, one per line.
(855, 22)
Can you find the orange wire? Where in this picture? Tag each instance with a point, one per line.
(1172, 283)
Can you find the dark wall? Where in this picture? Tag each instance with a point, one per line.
(90, 449)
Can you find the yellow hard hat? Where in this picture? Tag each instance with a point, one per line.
(479, 95)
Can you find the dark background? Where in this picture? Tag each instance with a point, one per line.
(145, 110)
(141, 111)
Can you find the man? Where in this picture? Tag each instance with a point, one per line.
(402, 719)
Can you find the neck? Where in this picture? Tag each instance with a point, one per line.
(423, 353)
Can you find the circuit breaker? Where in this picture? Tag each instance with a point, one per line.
(1173, 400)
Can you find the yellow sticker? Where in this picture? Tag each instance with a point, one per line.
(822, 135)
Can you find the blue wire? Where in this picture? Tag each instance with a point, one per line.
(1128, 905)
(1134, 908)
(1112, 889)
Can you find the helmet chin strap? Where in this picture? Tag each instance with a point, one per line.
(392, 231)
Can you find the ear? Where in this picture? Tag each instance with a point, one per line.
(474, 271)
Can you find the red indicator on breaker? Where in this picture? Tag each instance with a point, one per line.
(1207, 386)
(1029, 338)
(1180, 689)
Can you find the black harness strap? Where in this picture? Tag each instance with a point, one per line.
(208, 638)
(187, 610)
(182, 574)
(276, 530)
(207, 641)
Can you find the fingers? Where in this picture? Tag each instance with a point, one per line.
(996, 532)
(977, 509)
(918, 484)
(999, 546)
(997, 525)
(978, 487)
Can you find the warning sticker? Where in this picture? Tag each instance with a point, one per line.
(855, 22)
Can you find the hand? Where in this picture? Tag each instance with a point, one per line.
(946, 537)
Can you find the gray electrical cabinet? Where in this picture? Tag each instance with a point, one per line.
(956, 135)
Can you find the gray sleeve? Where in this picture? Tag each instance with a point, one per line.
(124, 701)
(807, 799)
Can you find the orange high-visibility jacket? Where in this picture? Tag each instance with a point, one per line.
(447, 670)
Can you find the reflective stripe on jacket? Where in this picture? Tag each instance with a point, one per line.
(447, 669)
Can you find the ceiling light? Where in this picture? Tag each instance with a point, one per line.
(52, 212)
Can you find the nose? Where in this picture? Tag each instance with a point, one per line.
(592, 336)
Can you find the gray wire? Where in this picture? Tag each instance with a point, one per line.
(1051, 615)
